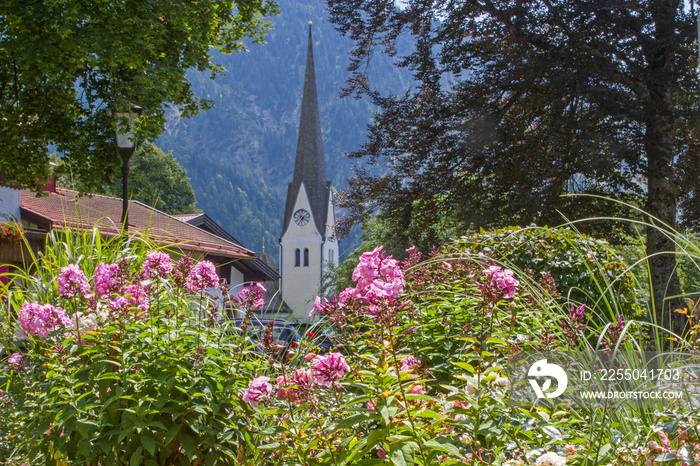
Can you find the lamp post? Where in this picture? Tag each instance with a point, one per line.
(126, 148)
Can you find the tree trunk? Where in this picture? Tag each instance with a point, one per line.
(659, 147)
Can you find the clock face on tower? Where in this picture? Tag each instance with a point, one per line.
(301, 217)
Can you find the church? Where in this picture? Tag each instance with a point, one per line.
(307, 243)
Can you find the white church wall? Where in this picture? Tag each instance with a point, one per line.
(300, 283)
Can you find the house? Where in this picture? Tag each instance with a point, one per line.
(63, 209)
(262, 269)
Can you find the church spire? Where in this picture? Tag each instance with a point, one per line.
(309, 165)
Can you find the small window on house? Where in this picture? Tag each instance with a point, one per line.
(297, 257)
(306, 257)
(330, 255)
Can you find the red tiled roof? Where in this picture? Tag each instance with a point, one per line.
(63, 209)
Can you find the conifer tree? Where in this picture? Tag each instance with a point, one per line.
(516, 103)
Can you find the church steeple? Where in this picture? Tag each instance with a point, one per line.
(307, 245)
(309, 165)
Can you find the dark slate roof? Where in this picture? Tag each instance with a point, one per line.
(309, 166)
(260, 269)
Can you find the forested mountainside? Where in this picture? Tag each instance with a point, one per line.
(240, 155)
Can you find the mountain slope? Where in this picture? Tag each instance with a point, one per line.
(240, 155)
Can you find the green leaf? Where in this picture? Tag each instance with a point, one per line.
(429, 414)
(171, 433)
(148, 443)
(443, 444)
(403, 456)
(352, 421)
(136, 457)
(463, 365)
(553, 432)
(188, 444)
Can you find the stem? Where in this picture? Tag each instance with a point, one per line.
(392, 347)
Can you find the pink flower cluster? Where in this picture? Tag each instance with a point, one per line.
(106, 280)
(136, 300)
(409, 363)
(377, 276)
(17, 360)
(252, 297)
(202, 276)
(72, 281)
(503, 279)
(40, 320)
(259, 389)
(329, 368)
(297, 386)
(157, 264)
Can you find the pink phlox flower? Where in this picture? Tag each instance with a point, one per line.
(577, 315)
(117, 303)
(294, 386)
(347, 295)
(367, 268)
(665, 442)
(157, 264)
(17, 360)
(389, 266)
(37, 320)
(252, 296)
(386, 289)
(72, 281)
(182, 271)
(409, 363)
(136, 301)
(324, 306)
(504, 279)
(258, 390)
(202, 276)
(417, 390)
(377, 277)
(106, 280)
(329, 368)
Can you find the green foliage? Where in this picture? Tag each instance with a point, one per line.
(159, 388)
(584, 269)
(155, 178)
(507, 116)
(689, 265)
(238, 201)
(428, 376)
(455, 406)
(62, 64)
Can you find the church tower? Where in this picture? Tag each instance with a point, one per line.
(307, 243)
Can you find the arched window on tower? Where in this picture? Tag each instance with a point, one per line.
(330, 255)
(297, 257)
(306, 257)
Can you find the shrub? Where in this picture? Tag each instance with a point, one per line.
(584, 269)
(121, 360)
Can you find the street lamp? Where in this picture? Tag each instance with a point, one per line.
(126, 147)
